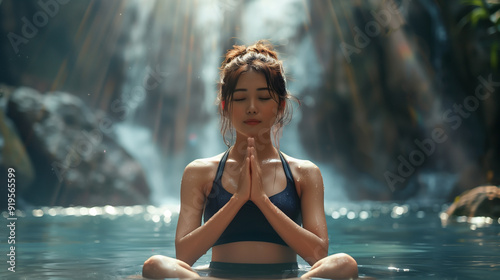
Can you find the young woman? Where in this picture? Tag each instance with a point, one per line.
(260, 207)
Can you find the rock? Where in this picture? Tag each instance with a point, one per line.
(89, 66)
(12, 153)
(483, 201)
(76, 161)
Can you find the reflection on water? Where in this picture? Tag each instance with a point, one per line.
(389, 241)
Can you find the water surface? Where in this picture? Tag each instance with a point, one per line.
(389, 241)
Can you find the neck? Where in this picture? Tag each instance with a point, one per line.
(263, 146)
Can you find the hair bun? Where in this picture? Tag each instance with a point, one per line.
(261, 47)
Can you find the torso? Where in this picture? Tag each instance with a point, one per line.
(274, 182)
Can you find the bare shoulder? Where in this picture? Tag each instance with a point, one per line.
(201, 172)
(301, 167)
(305, 173)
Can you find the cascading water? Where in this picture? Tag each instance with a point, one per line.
(302, 68)
(178, 47)
(203, 139)
(164, 172)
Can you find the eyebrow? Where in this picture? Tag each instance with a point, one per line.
(244, 89)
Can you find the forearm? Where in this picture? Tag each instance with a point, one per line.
(193, 245)
(308, 245)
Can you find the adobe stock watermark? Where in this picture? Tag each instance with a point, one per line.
(383, 23)
(426, 147)
(48, 9)
(88, 141)
(11, 218)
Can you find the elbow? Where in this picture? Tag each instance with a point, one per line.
(323, 249)
(181, 254)
(184, 258)
(319, 252)
(185, 253)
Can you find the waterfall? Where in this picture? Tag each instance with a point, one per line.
(164, 173)
(136, 139)
(258, 21)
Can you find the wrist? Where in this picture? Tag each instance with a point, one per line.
(260, 199)
(238, 199)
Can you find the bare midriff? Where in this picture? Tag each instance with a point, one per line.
(253, 252)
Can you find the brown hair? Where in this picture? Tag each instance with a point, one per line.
(259, 57)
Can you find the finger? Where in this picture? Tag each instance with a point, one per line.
(248, 151)
(251, 142)
(247, 158)
(250, 158)
(245, 168)
(248, 173)
(248, 163)
(253, 165)
(254, 153)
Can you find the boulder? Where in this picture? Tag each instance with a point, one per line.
(14, 159)
(75, 158)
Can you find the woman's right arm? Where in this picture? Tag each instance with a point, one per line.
(192, 239)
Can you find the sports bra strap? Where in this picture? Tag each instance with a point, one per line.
(286, 167)
(220, 168)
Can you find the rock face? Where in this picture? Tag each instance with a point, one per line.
(390, 128)
(12, 154)
(481, 201)
(75, 160)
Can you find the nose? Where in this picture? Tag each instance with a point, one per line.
(251, 109)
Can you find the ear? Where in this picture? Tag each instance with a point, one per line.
(223, 104)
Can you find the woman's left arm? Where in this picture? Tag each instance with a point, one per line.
(311, 240)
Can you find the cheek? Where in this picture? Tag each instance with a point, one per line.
(236, 110)
(273, 109)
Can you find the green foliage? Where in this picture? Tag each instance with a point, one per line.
(488, 13)
(473, 2)
(494, 56)
(476, 15)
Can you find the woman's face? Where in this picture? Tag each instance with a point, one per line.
(253, 110)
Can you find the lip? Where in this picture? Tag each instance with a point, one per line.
(252, 122)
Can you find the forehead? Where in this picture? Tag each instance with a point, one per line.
(251, 79)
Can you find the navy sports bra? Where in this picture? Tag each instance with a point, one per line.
(250, 224)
